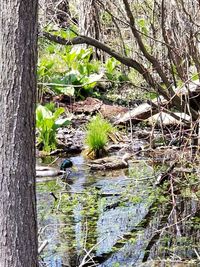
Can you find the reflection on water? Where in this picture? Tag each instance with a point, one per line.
(110, 222)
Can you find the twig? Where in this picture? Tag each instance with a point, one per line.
(51, 225)
(171, 225)
(198, 256)
(162, 177)
(84, 260)
(174, 207)
(42, 247)
(50, 164)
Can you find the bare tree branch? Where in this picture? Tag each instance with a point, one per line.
(148, 56)
(176, 100)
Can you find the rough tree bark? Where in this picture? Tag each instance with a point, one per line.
(89, 24)
(18, 42)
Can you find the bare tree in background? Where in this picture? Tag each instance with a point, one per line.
(89, 21)
(56, 12)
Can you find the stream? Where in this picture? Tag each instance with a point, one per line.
(111, 219)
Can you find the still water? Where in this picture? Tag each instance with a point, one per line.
(110, 219)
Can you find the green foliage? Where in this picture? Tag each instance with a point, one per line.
(47, 123)
(112, 71)
(195, 77)
(97, 133)
(111, 65)
(68, 70)
(143, 24)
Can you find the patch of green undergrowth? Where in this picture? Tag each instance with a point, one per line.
(97, 133)
(48, 121)
(71, 70)
(68, 71)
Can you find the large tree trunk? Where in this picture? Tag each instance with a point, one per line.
(89, 22)
(18, 42)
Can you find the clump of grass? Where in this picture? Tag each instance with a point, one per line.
(97, 135)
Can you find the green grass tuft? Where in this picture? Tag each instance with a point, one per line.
(97, 133)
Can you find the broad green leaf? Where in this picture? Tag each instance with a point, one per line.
(69, 90)
(62, 122)
(43, 112)
(58, 112)
(195, 77)
(143, 25)
(90, 81)
(111, 64)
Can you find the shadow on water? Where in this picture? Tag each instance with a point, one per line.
(116, 219)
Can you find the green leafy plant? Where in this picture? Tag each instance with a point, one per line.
(97, 135)
(71, 70)
(47, 124)
(112, 71)
(68, 71)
